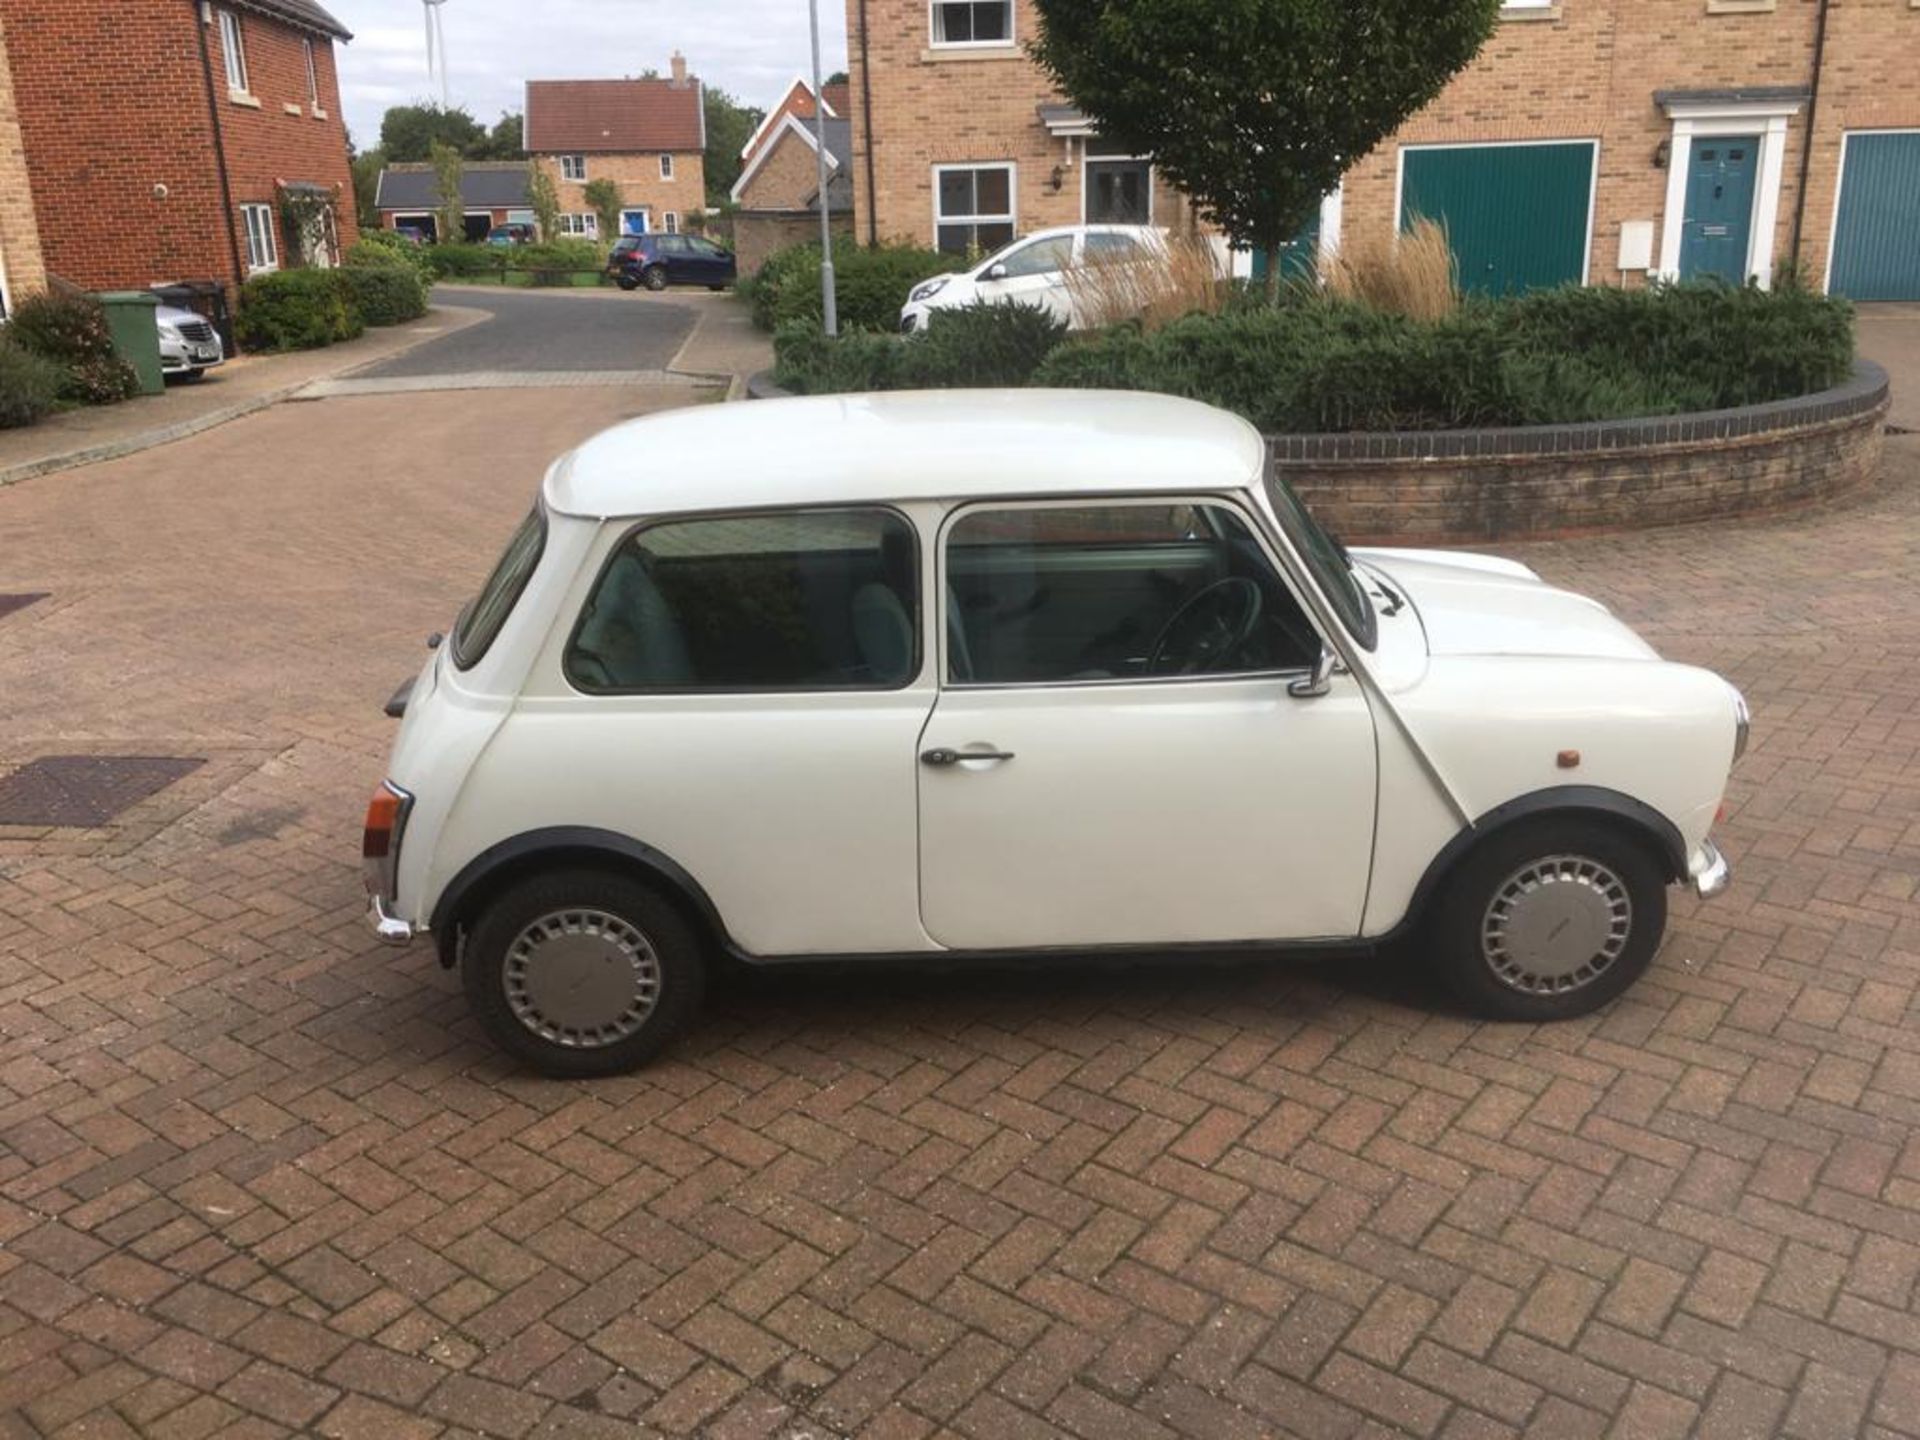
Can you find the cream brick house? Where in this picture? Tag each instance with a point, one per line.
(21, 269)
(1602, 141)
(648, 136)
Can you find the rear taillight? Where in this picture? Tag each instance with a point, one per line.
(380, 840)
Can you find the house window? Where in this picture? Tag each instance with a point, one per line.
(973, 22)
(666, 167)
(262, 251)
(235, 51)
(587, 225)
(972, 207)
(672, 222)
(573, 167)
(313, 76)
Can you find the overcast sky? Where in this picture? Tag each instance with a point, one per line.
(749, 47)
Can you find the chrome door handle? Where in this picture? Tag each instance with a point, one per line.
(944, 756)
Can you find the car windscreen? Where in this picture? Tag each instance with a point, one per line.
(1327, 558)
(483, 616)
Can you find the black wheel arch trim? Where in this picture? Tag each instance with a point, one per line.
(1557, 800)
(559, 843)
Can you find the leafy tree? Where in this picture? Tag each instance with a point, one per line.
(544, 200)
(838, 77)
(448, 168)
(604, 196)
(729, 126)
(366, 182)
(505, 140)
(408, 133)
(1256, 107)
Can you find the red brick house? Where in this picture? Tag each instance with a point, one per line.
(166, 140)
(648, 136)
(1603, 141)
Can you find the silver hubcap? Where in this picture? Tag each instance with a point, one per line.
(1556, 924)
(582, 978)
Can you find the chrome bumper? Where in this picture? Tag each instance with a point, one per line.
(1714, 875)
(390, 928)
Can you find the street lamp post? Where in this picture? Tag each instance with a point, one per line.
(827, 308)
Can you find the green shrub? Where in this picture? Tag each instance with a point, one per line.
(870, 285)
(981, 346)
(72, 331)
(298, 310)
(29, 384)
(457, 260)
(377, 247)
(386, 292)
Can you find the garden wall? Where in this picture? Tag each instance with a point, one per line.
(1458, 486)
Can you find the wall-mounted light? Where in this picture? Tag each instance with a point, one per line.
(1662, 153)
(1057, 179)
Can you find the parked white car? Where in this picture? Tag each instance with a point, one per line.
(1031, 271)
(189, 345)
(970, 674)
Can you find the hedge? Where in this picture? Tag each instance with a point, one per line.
(29, 384)
(870, 285)
(384, 290)
(1557, 356)
(463, 261)
(297, 310)
(71, 332)
(979, 346)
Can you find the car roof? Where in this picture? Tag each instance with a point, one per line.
(906, 445)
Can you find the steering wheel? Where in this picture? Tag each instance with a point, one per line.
(1208, 628)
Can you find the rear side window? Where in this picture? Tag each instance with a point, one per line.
(797, 600)
(473, 632)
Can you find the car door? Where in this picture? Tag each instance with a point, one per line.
(716, 262)
(1033, 274)
(1115, 756)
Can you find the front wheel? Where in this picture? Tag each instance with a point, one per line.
(582, 972)
(1550, 921)
(654, 277)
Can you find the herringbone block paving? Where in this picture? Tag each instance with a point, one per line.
(260, 1176)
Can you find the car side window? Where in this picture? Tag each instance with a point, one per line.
(1042, 257)
(1050, 594)
(791, 600)
(1109, 246)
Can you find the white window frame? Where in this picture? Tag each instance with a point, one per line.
(933, 27)
(6, 290)
(1593, 180)
(666, 166)
(585, 226)
(670, 222)
(264, 239)
(233, 51)
(313, 75)
(1692, 121)
(572, 162)
(1011, 218)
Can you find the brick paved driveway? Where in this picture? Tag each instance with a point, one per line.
(258, 1176)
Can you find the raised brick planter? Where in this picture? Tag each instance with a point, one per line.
(1455, 486)
(1529, 482)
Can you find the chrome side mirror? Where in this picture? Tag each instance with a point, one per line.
(995, 272)
(1317, 681)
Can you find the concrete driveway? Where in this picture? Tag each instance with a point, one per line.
(534, 332)
(259, 1176)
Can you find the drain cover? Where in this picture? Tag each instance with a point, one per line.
(11, 603)
(85, 790)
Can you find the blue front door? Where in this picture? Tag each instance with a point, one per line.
(1718, 228)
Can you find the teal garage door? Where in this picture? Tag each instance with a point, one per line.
(1876, 237)
(1516, 215)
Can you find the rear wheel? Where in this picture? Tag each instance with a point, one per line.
(583, 972)
(1550, 920)
(627, 282)
(654, 277)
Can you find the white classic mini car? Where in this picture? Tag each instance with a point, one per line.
(1011, 674)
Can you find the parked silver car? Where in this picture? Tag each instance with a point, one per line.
(189, 345)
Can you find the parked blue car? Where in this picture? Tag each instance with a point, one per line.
(657, 261)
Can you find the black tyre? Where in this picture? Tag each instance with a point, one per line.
(627, 282)
(1550, 920)
(654, 277)
(716, 288)
(583, 972)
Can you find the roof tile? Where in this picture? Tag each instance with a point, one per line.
(606, 116)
